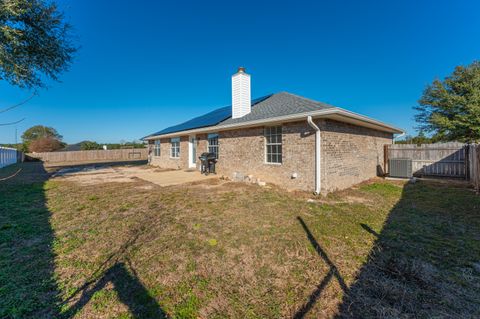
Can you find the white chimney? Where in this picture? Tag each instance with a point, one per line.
(241, 99)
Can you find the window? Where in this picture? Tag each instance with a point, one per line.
(156, 148)
(175, 148)
(273, 144)
(213, 144)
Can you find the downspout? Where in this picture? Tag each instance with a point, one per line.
(318, 174)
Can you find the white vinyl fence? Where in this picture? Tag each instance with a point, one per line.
(8, 156)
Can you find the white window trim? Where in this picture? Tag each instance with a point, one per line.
(274, 164)
(265, 146)
(155, 148)
(174, 140)
(209, 136)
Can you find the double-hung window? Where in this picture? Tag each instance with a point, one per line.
(175, 147)
(213, 144)
(156, 148)
(273, 144)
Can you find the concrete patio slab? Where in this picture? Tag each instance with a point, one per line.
(168, 178)
(98, 174)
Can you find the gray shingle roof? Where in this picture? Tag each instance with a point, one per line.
(206, 120)
(279, 104)
(265, 108)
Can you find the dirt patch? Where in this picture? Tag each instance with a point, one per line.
(146, 187)
(92, 175)
(101, 174)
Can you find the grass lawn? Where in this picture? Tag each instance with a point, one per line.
(229, 250)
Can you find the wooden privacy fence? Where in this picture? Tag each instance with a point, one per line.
(9, 156)
(442, 159)
(474, 165)
(92, 156)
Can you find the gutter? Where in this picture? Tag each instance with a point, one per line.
(318, 175)
(285, 118)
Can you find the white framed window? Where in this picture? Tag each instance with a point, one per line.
(175, 147)
(213, 144)
(156, 148)
(273, 144)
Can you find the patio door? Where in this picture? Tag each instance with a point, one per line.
(192, 151)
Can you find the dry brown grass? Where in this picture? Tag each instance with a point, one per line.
(218, 249)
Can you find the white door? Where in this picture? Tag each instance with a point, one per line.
(192, 151)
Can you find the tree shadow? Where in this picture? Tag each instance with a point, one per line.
(95, 164)
(369, 229)
(423, 262)
(28, 288)
(129, 289)
(332, 273)
(27, 285)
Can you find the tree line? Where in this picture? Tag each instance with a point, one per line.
(41, 138)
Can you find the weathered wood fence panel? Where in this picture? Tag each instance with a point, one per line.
(9, 156)
(92, 156)
(442, 159)
(474, 165)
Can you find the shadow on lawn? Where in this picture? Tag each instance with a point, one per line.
(27, 279)
(425, 261)
(27, 285)
(97, 164)
(421, 263)
(332, 273)
(130, 291)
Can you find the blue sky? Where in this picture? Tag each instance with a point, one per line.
(145, 65)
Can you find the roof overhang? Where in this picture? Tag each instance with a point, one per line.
(336, 113)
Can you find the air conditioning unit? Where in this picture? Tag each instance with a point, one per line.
(400, 167)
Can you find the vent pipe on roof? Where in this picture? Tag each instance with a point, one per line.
(241, 98)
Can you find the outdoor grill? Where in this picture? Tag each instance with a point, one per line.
(208, 163)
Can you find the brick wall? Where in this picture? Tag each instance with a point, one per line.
(243, 152)
(164, 160)
(201, 147)
(350, 154)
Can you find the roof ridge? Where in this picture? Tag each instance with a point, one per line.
(308, 99)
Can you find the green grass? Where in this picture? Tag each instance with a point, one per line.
(382, 249)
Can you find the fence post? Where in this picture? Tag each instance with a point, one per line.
(476, 166)
(471, 164)
(385, 159)
(467, 162)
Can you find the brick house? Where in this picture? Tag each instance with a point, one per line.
(281, 138)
